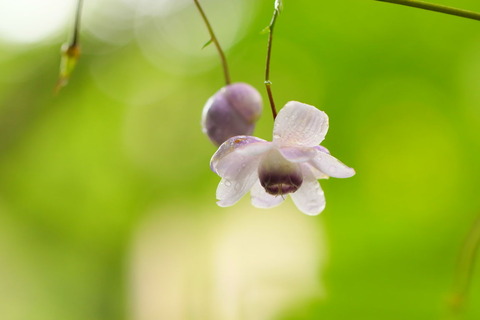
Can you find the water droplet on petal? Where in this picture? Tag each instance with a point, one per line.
(228, 183)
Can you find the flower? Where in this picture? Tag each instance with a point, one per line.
(231, 111)
(291, 164)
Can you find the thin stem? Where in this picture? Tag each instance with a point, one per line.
(268, 83)
(70, 51)
(466, 264)
(76, 28)
(214, 39)
(437, 8)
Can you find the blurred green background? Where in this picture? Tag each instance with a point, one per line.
(107, 202)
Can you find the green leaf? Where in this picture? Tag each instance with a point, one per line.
(207, 43)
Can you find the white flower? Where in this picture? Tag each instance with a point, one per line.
(290, 164)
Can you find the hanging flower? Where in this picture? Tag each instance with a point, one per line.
(291, 164)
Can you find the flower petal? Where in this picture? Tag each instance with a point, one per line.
(309, 198)
(230, 190)
(322, 148)
(261, 199)
(298, 154)
(235, 153)
(317, 173)
(300, 124)
(331, 166)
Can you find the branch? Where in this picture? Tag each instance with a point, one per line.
(70, 52)
(268, 83)
(214, 39)
(437, 8)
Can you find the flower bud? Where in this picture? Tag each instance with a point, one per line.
(230, 112)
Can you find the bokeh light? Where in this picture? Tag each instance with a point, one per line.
(31, 21)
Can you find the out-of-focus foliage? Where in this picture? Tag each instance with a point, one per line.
(94, 180)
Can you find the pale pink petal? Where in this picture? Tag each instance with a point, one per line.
(300, 124)
(309, 198)
(298, 154)
(322, 148)
(236, 153)
(261, 199)
(331, 166)
(232, 189)
(317, 173)
(255, 149)
(304, 154)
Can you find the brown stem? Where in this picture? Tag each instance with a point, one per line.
(268, 83)
(214, 39)
(437, 8)
(76, 28)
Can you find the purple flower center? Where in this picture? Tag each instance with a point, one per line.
(279, 176)
(280, 183)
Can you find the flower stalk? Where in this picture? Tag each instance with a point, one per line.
(70, 51)
(268, 83)
(214, 40)
(437, 8)
(76, 28)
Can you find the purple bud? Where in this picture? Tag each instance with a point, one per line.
(232, 111)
